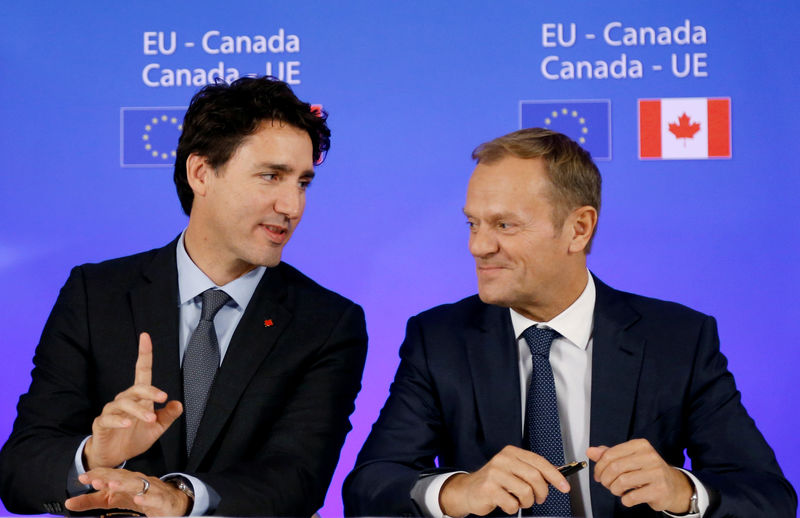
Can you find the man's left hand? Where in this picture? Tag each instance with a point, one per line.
(120, 488)
(636, 472)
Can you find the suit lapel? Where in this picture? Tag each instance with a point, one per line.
(264, 319)
(154, 304)
(492, 355)
(616, 366)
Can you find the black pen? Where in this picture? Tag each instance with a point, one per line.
(572, 467)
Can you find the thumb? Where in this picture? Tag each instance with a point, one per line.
(595, 452)
(167, 415)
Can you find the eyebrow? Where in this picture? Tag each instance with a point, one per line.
(284, 168)
(495, 216)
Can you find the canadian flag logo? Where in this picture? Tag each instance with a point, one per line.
(685, 128)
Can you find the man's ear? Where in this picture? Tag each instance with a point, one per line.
(581, 224)
(197, 173)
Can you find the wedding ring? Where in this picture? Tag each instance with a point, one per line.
(145, 486)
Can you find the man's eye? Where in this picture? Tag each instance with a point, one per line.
(304, 184)
(503, 225)
(268, 176)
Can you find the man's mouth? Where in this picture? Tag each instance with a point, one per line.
(276, 233)
(489, 268)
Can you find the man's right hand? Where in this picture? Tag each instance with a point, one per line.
(513, 479)
(129, 425)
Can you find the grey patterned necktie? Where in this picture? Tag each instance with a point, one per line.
(542, 424)
(200, 363)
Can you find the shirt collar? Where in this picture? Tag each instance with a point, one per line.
(192, 281)
(574, 323)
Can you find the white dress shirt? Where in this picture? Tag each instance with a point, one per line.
(571, 361)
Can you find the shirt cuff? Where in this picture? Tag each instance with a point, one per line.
(425, 493)
(702, 498)
(202, 501)
(74, 486)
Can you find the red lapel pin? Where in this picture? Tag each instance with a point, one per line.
(268, 323)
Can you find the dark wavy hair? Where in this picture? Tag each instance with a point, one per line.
(222, 115)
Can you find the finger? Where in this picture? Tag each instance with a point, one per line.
(625, 449)
(595, 453)
(629, 481)
(89, 480)
(147, 393)
(98, 478)
(134, 484)
(109, 477)
(508, 503)
(524, 492)
(544, 471)
(87, 502)
(641, 495)
(619, 467)
(131, 409)
(554, 477)
(497, 491)
(167, 415)
(98, 483)
(144, 363)
(533, 479)
(111, 421)
(609, 455)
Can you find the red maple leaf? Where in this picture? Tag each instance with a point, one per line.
(683, 129)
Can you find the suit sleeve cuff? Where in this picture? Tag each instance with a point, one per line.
(702, 498)
(425, 493)
(205, 498)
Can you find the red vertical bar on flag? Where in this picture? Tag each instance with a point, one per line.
(650, 129)
(719, 128)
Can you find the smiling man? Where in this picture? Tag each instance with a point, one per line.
(205, 377)
(548, 365)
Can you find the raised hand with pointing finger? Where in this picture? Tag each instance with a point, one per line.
(130, 424)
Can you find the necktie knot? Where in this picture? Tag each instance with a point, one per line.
(539, 340)
(213, 300)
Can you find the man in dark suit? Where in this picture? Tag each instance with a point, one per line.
(205, 377)
(549, 365)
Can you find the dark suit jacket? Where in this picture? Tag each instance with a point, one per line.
(657, 373)
(277, 414)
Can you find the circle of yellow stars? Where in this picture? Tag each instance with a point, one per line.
(146, 136)
(574, 114)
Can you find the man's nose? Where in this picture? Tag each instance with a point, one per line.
(290, 201)
(482, 242)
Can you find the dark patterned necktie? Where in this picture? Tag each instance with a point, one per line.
(542, 425)
(200, 363)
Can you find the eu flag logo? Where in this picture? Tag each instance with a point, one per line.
(586, 122)
(149, 136)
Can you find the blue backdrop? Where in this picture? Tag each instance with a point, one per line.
(411, 88)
